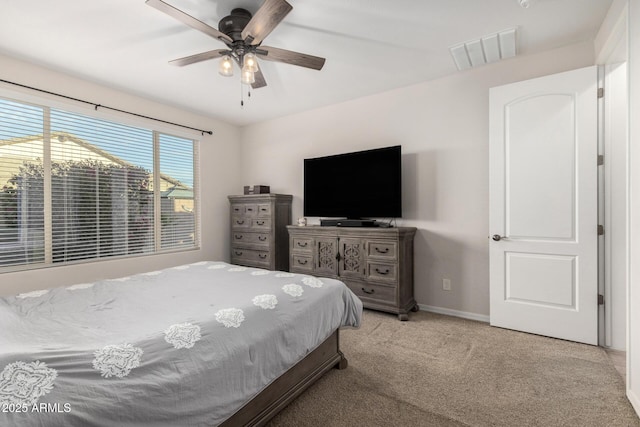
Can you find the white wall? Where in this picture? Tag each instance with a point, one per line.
(219, 164)
(442, 126)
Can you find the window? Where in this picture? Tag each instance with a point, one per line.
(74, 187)
(176, 173)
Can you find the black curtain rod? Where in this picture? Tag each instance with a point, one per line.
(96, 106)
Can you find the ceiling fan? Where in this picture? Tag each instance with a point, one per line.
(243, 34)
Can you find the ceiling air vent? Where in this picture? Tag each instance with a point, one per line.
(491, 48)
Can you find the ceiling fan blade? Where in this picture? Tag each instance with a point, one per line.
(189, 20)
(204, 56)
(265, 20)
(260, 81)
(290, 57)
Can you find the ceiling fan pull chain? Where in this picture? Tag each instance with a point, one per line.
(241, 96)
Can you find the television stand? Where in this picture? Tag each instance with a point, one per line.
(346, 222)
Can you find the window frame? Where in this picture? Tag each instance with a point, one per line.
(47, 103)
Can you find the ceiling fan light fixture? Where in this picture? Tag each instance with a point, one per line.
(248, 77)
(226, 67)
(250, 62)
(243, 33)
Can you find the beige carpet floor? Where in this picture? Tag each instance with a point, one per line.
(438, 370)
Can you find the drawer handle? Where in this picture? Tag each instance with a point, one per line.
(239, 222)
(382, 272)
(238, 253)
(367, 291)
(236, 209)
(238, 236)
(262, 238)
(386, 250)
(260, 222)
(264, 209)
(302, 261)
(250, 209)
(302, 245)
(262, 256)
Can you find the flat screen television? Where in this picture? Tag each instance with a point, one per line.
(363, 184)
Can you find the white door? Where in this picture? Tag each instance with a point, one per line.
(543, 206)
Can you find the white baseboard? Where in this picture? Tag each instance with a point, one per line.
(456, 313)
(634, 399)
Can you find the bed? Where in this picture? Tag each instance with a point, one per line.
(208, 343)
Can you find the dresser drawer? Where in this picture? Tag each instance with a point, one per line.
(370, 291)
(264, 210)
(382, 250)
(240, 222)
(250, 210)
(249, 256)
(240, 237)
(380, 272)
(246, 222)
(261, 223)
(237, 209)
(302, 244)
(301, 263)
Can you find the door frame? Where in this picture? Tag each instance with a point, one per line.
(612, 45)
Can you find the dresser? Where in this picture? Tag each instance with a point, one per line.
(258, 230)
(376, 263)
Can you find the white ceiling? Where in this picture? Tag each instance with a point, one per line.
(370, 46)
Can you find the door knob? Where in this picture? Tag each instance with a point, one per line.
(497, 237)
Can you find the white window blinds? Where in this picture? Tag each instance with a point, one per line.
(177, 186)
(21, 198)
(81, 188)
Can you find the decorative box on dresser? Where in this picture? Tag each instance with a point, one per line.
(258, 230)
(376, 263)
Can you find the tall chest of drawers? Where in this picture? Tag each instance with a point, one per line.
(258, 230)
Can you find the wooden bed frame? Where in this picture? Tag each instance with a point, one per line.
(264, 406)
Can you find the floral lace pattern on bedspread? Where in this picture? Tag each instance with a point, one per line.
(33, 294)
(80, 286)
(293, 290)
(259, 273)
(312, 282)
(182, 335)
(268, 302)
(285, 275)
(117, 360)
(230, 317)
(24, 383)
